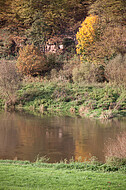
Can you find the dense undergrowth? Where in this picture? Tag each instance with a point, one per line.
(111, 165)
(99, 100)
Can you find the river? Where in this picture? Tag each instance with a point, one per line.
(24, 136)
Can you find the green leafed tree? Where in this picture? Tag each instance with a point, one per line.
(39, 32)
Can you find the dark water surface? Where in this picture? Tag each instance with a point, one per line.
(24, 136)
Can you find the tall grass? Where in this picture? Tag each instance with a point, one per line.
(116, 148)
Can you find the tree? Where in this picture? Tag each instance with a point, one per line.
(39, 32)
(4, 11)
(110, 43)
(2, 6)
(22, 11)
(86, 35)
(31, 61)
(112, 14)
(58, 14)
(109, 10)
(110, 29)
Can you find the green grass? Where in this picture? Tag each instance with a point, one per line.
(100, 101)
(23, 175)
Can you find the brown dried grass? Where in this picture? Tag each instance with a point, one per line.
(116, 148)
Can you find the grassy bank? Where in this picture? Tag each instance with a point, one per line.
(26, 175)
(99, 100)
(102, 101)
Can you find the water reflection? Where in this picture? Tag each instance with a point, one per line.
(24, 136)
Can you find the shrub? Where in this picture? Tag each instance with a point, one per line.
(66, 73)
(69, 46)
(10, 81)
(88, 72)
(79, 73)
(115, 70)
(31, 61)
(64, 70)
(52, 62)
(116, 162)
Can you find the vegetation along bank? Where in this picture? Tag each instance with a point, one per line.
(68, 57)
(97, 101)
(64, 56)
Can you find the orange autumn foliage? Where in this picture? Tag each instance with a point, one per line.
(31, 61)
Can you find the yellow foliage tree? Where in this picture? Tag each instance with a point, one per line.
(86, 34)
(31, 61)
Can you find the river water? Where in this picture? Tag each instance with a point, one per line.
(24, 136)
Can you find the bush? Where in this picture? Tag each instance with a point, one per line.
(116, 148)
(10, 81)
(64, 70)
(79, 73)
(88, 72)
(115, 70)
(31, 61)
(52, 62)
(69, 46)
(64, 74)
(116, 162)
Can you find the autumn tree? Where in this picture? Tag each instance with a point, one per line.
(58, 13)
(109, 10)
(4, 11)
(2, 6)
(31, 61)
(77, 8)
(112, 24)
(87, 35)
(21, 11)
(110, 29)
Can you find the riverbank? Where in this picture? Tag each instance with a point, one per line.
(76, 175)
(102, 101)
